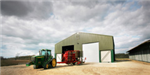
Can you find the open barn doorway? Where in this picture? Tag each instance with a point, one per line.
(66, 48)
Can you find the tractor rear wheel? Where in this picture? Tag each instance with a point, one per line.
(53, 64)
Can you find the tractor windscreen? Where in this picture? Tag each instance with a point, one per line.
(43, 52)
(49, 52)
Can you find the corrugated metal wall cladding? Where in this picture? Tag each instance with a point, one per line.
(105, 42)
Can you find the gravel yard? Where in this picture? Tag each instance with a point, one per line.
(116, 68)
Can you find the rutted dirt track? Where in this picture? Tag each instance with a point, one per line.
(117, 68)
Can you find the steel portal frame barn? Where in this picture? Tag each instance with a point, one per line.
(76, 41)
(141, 52)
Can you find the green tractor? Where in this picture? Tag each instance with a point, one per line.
(44, 59)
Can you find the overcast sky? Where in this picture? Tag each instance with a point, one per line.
(28, 26)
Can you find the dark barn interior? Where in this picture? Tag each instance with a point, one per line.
(66, 48)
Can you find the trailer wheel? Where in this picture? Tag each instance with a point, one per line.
(74, 63)
(53, 63)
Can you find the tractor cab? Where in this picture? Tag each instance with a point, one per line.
(45, 52)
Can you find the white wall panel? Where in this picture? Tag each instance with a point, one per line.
(106, 56)
(59, 57)
(140, 58)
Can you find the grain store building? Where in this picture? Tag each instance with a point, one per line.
(95, 47)
(141, 52)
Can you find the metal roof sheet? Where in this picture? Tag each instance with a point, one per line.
(148, 41)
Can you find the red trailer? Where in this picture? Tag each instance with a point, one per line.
(71, 57)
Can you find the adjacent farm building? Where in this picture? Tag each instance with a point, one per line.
(95, 47)
(141, 52)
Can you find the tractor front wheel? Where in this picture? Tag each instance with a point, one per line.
(53, 63)
(35, 66)
(46, 66)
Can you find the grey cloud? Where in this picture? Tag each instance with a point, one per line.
(141, 24)
(90, 4)
(16, 8)
(95, 9)
(117, 1)
(145, 33)
(27, 9)
(77, 12)
(114, 2)
(146, 10)
(37, 10)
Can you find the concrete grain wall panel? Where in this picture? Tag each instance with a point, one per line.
(140, 56)
(137, 56)
(149, 55)
(144, 56)
(130, 57)
(133, 57)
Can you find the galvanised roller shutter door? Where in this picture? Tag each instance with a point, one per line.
(91, 52)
